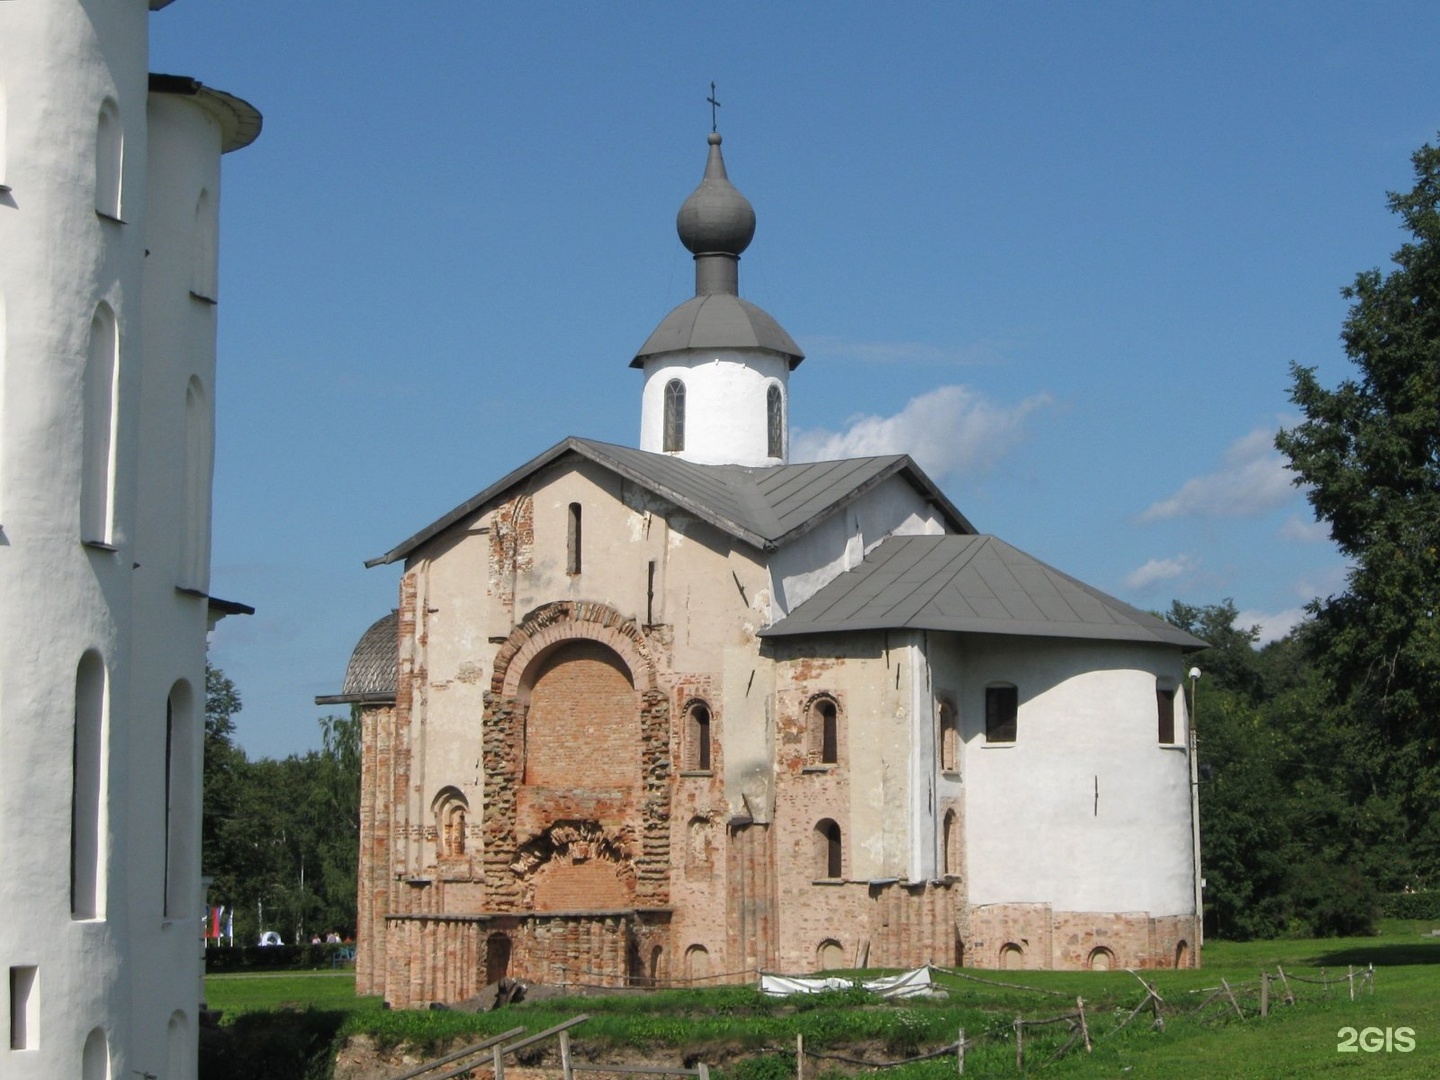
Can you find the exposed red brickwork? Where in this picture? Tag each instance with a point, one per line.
(512, 547)
(581, 728)
(1068, 939)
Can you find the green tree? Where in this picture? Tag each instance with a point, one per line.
(1368, 454)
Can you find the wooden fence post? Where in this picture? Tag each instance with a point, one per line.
(1264, 994)
(799, 1057)
(1289, 997)
(565, 1055)
(1084, 1027)
(960, 1053)
(1231, 995)
(499, 1063)
(1019, 1045)
(703, 1070)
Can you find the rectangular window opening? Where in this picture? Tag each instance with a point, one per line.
(1002, 707)
(573, 540)
(1165, 706)
(24, 1008)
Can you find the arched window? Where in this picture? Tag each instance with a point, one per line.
(109, 157)
(823, 727)
(87, 799)
(950, 844)
(774, 422)
(97, 479)
(180, 785)
(697, 737)
(452, 811)
(573, 539)
(674, 436)
(949, 739)
(1165, 710)
(829, 853)
(95, 1061)
(195, 496)
(1002, 707)
(178, 1040)
(203, 281)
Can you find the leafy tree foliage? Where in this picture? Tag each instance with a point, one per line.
(1368, 452)
(281, 837)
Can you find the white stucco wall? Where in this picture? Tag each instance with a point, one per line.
(725, 404)
(807, 564)
(1036, 830)
(129, 969)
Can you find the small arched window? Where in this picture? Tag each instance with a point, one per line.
(774, 422)
(1002, 707)
(203, 281)
(829, 956)
(697, 737)
(451, 810)
(823, 724)
(180, 791)
(949, 739)
(697, 963)
(97, 478)
(829, 852)
(572, 540)
(195, 495)
(674, 416)
(87, 799)
(95, 1058)
(109, 157)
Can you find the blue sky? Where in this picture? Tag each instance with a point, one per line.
(1061, 253)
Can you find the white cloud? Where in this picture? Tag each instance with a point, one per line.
(1273, 625)
(1252, 480)
(1157, 570)
(949, 430)
(1304, 531)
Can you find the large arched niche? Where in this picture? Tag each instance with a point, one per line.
(582, 724)
(553, 624)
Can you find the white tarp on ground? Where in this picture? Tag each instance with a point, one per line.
(907, 984)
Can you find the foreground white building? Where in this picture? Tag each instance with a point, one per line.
(109, 197)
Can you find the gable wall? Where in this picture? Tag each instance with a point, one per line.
(804, 566)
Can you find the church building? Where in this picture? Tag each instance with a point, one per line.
(691, 711)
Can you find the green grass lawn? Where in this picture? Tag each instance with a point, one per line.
(752, 1038)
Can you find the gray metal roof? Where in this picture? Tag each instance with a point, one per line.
(373, 669)
(970, 584)
(765, 507)
(719, 321)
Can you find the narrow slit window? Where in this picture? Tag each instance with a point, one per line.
(97, 480)
(87, 800)
(774, 422)
(1165, 713)
(1002, 706)
(674, 415)
(572, 540)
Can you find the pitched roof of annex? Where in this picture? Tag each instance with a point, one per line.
(765, 507)
(970, 584)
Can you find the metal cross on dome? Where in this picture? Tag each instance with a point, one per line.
(713, 106)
